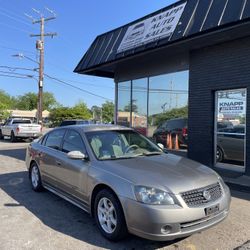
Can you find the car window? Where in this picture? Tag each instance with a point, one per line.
(117, 144)
(67, 123)
(21, 122)
(73, 142)
(54, 139)
(43, 140)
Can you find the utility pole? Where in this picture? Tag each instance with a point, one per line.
(40, 47)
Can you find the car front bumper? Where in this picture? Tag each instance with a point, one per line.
(163, 223)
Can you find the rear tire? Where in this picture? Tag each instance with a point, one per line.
(35, 178)
(12, 137)
(109, 216)
(219, 155)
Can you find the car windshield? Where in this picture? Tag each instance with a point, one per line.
(120, 144)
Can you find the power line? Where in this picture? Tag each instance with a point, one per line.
(13, 27)
(14, 73)
(15, 49)
(11, 69)
(75, 87)
(11, 17)
(20, 77)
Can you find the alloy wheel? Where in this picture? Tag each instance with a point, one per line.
(107, 215)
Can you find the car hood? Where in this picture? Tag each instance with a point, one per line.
(169, 172)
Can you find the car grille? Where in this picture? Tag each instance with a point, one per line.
(196, 197)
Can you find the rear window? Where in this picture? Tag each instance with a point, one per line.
(21, 122)
(179, 123)
(67, 123)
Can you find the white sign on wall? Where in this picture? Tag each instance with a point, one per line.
(232, 107)
(151, 29)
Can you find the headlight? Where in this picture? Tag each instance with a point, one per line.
(153, 196)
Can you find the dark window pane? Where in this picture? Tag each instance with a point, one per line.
(73, 142)
(124, 103)
(54, 139)
(139, 105)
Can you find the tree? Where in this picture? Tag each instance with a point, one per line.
(134, 107)
(97, 112)
(173, 113)
(5, 104)
(79, 111)
(49, 101)
(5, 99)
(108, 112)
(28, 101)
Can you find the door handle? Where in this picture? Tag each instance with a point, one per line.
(58, 163)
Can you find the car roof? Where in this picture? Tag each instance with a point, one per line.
(96, 127)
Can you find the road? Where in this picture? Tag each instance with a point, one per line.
(30, 220)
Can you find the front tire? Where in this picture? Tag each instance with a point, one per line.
(35, 178)
(109, 216)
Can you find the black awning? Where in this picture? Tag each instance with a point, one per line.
(177, 22)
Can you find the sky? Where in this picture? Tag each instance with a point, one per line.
(77, 24)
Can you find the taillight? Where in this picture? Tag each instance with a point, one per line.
(184, 132)
(17, 129)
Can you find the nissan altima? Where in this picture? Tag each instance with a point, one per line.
(127, 183)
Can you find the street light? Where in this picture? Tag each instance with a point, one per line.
(21, 55)
(40, 87)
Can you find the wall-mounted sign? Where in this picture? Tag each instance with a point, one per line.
(232, 107)
(153, 28)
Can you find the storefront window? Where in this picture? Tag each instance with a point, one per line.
(230, 128)
(139, 105)
(168, 109)
(124, 103)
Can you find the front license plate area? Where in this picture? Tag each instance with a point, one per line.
(212, 210)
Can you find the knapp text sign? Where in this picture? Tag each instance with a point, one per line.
(232, 107)
(151, 29)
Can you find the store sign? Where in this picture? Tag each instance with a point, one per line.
(232, 107)
(151, 29)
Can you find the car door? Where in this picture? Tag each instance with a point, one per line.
(6, 128)
(232, 143)
(73, 172)
(50, 155)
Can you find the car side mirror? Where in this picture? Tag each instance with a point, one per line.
(161, 146)
(77, 155)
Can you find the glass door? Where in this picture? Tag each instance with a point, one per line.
(230, 129)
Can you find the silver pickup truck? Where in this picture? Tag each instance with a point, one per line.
(17, 128)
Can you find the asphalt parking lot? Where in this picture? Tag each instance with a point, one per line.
(30, 220)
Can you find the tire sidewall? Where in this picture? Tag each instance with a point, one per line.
(121, 228)
(39, 187)
(220, 158)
